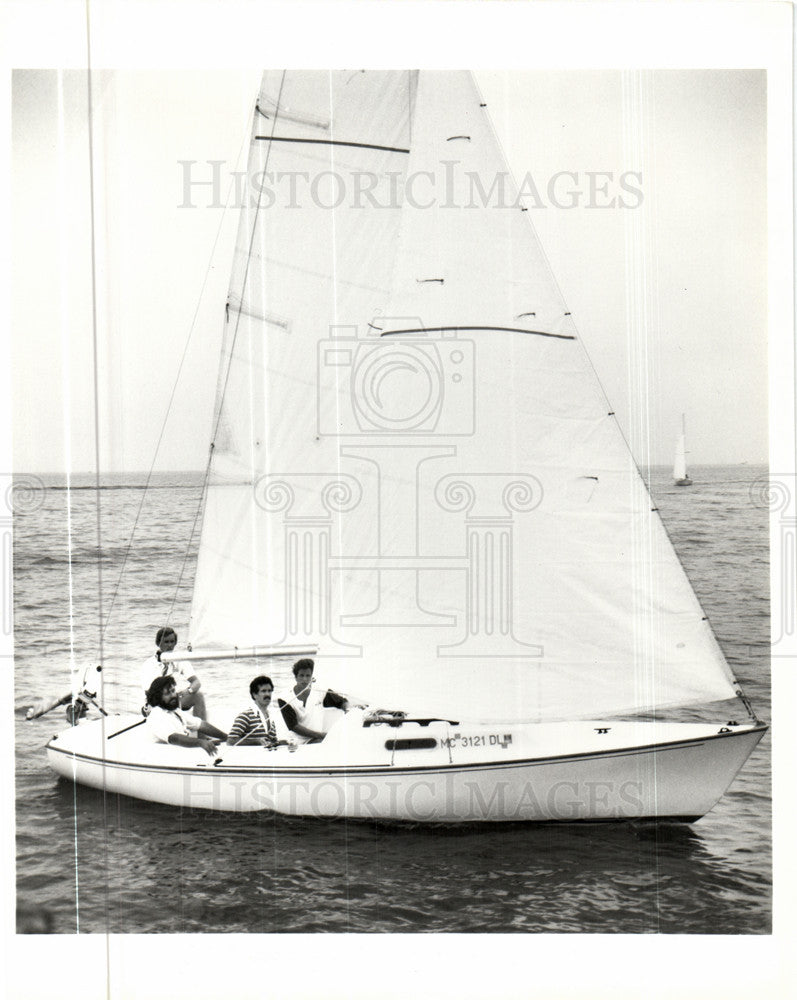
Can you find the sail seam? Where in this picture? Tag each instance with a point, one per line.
(268, 318)
(290, 116)
(276, 263)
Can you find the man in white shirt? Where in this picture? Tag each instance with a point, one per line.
(187, 683)
(167, 725)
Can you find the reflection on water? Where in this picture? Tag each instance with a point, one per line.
(268, 873)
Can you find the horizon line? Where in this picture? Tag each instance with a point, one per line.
(201, 471)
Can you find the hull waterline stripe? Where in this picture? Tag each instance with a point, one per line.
(330, 142)
(387, 769)
(498, 329)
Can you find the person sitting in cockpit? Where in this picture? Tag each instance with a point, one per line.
(302, 706)
(255, 725)
(167, 725)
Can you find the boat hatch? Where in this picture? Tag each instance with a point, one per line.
(425, 743)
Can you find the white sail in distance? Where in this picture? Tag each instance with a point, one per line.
(679, 465)
(413, 465)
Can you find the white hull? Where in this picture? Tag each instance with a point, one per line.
(460, 773)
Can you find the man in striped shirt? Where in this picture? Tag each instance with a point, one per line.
(254, 726)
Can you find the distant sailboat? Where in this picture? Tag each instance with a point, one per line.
(679, 474)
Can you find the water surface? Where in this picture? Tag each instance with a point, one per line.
(88, 862)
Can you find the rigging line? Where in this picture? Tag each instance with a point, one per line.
(94, 342)
(223, 386)
(334, 288)
(65, 357)
(165, 421)
(96, 391)
(187, 551)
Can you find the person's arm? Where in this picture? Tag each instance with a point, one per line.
(47, 705)
(310, 734)
(334, 700)
(181, 676)
(207, 729)
(181, 740)
(292, 722)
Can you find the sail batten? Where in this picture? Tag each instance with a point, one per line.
(445, 509)
(330, 142)
(464, 328)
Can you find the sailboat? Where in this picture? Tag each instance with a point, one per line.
(679, 474)
(415, 479)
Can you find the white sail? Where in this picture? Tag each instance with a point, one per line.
(300, 268)
(414, 466)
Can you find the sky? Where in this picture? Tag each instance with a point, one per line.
(648, 190)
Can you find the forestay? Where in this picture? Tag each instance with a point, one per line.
(413, 465)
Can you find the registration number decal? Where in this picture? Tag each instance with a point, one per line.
(491, 739)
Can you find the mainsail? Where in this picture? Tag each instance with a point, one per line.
(413, 465)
